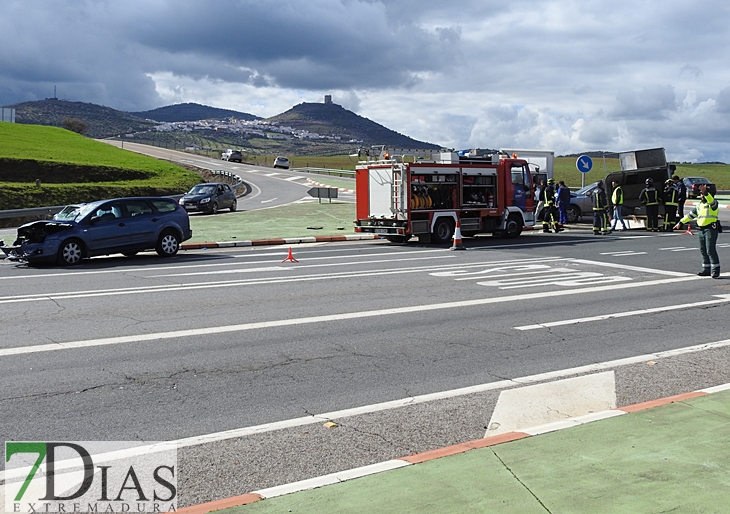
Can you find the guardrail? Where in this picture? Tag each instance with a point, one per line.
(228, 174)
(36, 211)
(326, 171)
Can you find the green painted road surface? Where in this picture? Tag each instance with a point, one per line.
(288, 221)
(672, 458)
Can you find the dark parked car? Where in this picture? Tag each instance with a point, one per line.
(210, 197)
(692, 184)
(232, 155)
(121, 225)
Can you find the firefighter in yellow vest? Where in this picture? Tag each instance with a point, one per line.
(708, 224)
(550, 211)
(600, 210)
(649, 197)
(671, 200)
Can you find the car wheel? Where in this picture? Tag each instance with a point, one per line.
(573, 213)
(513, 227)
(234, 205)
(214, 208)
(168, 244)
(71, 252)
(443, 232)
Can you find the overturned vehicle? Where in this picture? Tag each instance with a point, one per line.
(121, 225)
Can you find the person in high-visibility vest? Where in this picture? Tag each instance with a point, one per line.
(671, 196)
(550, 211)
(617, 199)
(650, 198)
(600, 210)
(708, 224)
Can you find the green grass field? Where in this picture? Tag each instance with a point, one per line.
(52, 144)
(565, 170)
(73, 168)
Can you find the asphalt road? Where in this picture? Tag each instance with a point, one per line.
(234, 339)
(269, 187)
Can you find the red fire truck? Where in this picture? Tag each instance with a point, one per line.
(425, 198)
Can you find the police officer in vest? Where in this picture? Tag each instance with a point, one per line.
(706, 215)
(649, 197)
(617, 199)
(671, 200)
(600, 210)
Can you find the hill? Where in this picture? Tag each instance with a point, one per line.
(339, 130)
(334, 120)
(102, 121)
(192, 112)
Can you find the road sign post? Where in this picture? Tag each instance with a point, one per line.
(323, 192)
(584, 165)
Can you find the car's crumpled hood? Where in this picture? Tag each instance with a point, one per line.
(37, 231)
(33, 233)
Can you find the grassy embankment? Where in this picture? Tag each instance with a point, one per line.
(565, 170)
(72, 168)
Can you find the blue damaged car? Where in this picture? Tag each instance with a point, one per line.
(121, 225)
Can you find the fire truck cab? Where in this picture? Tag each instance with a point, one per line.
(426, 198)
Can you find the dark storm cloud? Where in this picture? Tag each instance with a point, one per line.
(557, 74)
(308, 45)
(111, 46)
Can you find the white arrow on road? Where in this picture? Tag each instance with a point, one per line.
(722, 298)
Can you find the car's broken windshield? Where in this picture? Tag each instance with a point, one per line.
(72, 213)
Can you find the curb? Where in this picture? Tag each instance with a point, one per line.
(418, 458)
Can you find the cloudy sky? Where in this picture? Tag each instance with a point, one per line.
(563, 75)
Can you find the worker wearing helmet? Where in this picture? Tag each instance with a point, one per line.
(708, 223)
(649, 197)
(600, 210)
(671, 200)
(550, 211)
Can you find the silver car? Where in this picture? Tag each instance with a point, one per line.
(281, 162)
(581, 203)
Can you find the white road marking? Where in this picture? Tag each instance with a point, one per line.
(206, 285)
(267, 201)
(630, 268)
(295, 178)
(272, 174)
(378, 313)
(575, 321)
(548, 402)
(627, 253)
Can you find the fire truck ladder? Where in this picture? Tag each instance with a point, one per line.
(398, 190)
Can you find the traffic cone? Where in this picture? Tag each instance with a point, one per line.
(457, 238)
(290, 257)
(689, 230)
